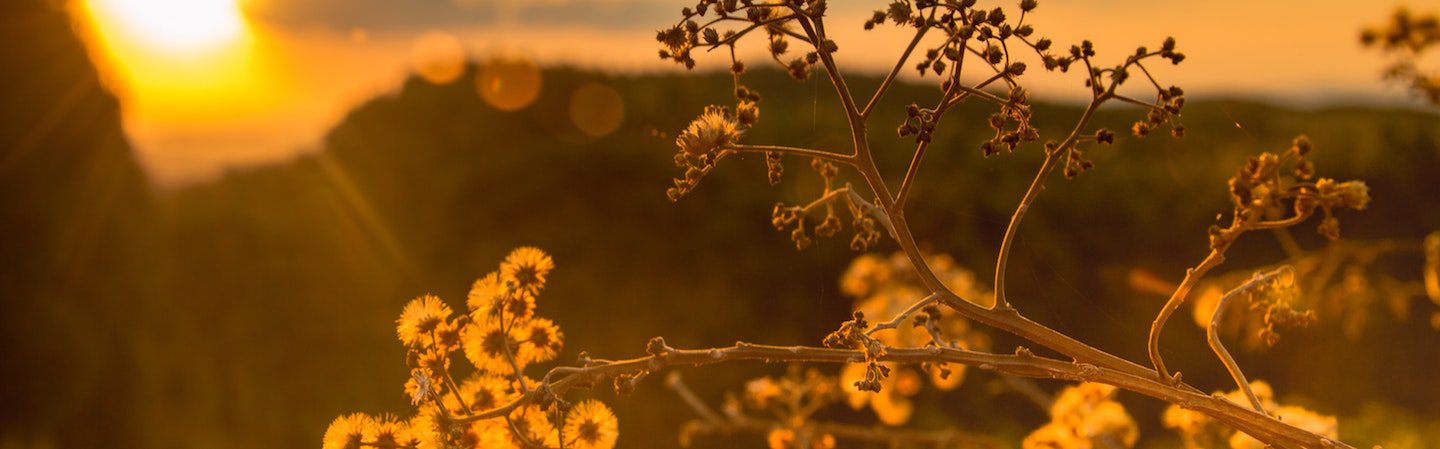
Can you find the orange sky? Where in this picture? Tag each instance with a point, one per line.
(270, 90)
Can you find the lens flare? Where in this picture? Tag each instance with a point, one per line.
(509, 84)
(596, 109)
(438, 57)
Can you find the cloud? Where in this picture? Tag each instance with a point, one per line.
(385, 16)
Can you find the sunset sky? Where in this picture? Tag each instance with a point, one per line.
(211, 84)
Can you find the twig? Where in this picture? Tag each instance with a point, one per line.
(676, 384)
(1024, 364)
(890, 78)
(1213, 332)
(822, 154)
(894, 322)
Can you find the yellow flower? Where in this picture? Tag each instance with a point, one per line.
(543, 340)
(347, 431)
(486, 347)
(759, 392)
(864, 275)
(491, 296)
(429, 431)
(495, 434)
(536, 425)
(1296, 416)
(708, 132)
(421, 316)
(1052, 436)
(483, 392)
(780, 438)
(946, 376)
(447, 336)
(1086, 416)
(527, 266)
(591, 425)
(892, 404)
(387, 430)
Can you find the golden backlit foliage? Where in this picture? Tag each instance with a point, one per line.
(1201, 432)
(500, 336)
(886, 286)
(1406, 38)
(928, 303)
(1086, 416)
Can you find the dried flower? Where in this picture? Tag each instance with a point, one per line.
(709, 132)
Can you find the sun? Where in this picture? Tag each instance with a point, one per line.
(173, 25)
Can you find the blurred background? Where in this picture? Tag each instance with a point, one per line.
(212, 211)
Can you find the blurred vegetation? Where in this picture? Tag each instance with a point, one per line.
(250, 311)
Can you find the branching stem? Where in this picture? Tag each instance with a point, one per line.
(1212, 333)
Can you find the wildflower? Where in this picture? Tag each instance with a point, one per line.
(747, 113)
(759, 393)
(1295, 416)
(1052, 436)
(1200, 431)
(708, 132)
(592, 425)
(892, 403)
(427, 429)
(946, 376)
(1349, 194)
(421, 317)
(419, 386)
(483, 392)
(1085, 416)
(495, 434)
(347, 431)
(543, 340)
(527, 266)
(531, 426)
(779, 438)
(865, 274)
(491, 347)
(491, 296)
(387, 430)
(447, 336)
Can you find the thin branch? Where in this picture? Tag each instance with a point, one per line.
(1023, 363)
(677, 385)
(1036, 186)
(807, 152)
(895, 322)
(890, 78)
(1212, 333)
(1192, 277)
(1136, 102)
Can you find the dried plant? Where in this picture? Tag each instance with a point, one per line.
(1406, 39)
(930, 308)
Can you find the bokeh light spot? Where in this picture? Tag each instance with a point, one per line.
(509, 84)
(438, 57)
(596, 109)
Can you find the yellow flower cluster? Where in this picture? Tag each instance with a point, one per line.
(1085, 416)
(883, 288)
(1201, 432)
(499, 336)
